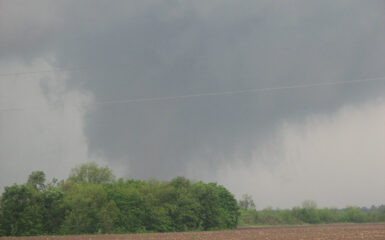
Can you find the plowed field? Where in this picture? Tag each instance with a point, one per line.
(329, 232)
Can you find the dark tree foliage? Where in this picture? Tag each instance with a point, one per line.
(25, 210)
(92, 201)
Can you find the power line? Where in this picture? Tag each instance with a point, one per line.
(253, 90)
(225, 93)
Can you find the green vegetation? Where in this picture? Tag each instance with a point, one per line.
(308, 213)
(92, 201)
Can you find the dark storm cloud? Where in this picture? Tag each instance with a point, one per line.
(165, 48)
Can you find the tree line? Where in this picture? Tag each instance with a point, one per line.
(308, 213)
(92, 201)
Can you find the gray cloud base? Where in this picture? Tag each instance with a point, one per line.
(154, 49)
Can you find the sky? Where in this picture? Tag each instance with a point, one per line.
(73, 76)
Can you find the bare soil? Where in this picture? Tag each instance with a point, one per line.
(321, 232)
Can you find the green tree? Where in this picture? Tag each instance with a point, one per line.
(229, 208)
(267, 216)
(246, 202)
(328, 215)
(157, 206)
(37, 179)
(91, 173)
(108, 217)
(310, 212)
(185, 205)
(91, 201)
(20, 211)
(85, 203)
(53, 210)
(130, 203)
(309, 204)
(355, 215)
(209, 209)
(248, 217)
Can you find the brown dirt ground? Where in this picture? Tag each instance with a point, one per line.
(321, 232)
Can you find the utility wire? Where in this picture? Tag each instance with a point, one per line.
(244, 91)
(226, 93)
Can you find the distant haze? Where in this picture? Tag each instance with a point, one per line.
(324, 143)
